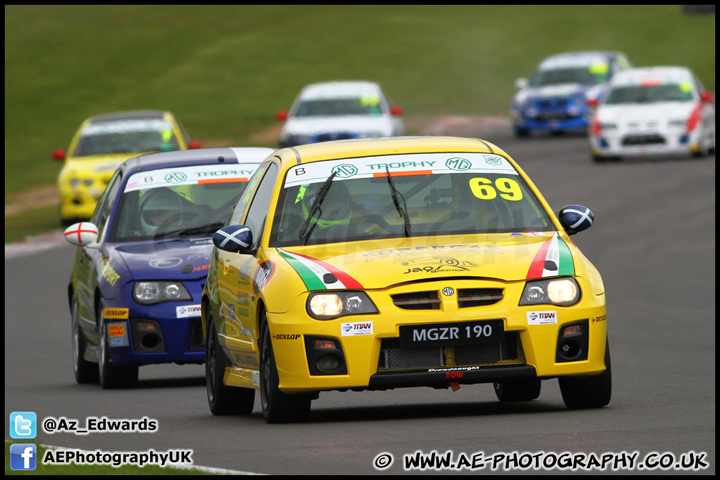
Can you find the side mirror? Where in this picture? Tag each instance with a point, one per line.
(193, 144)
(575, 218)
(521, 83)
(593, 102)
(282, 115)
(706, 97)
(396, 111)
(58, 154)
(234, 239)
(83, 234)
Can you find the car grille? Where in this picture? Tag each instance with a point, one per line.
(417, 300)
(553, 103)
(651, 139)
(508, 351)
(478, 297)
(543, 117)
(430, 300)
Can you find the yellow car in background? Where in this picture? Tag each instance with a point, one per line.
(101, 144)
(375, 264)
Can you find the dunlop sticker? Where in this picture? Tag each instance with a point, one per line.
(116, 313)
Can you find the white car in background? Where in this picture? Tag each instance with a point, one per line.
(340, 110)
(653, 111)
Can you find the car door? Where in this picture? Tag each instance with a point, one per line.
(92, 263)
(237, 325)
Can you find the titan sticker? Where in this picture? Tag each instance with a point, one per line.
(188, 311)
(542, 318)
(354, 329)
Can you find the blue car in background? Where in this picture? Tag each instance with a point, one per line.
(142, 260)
(555, 99)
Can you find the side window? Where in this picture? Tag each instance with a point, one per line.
(244, 199)
(257, 213)
(106, 203)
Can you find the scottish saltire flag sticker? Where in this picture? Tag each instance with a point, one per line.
(318, 275)
(552, 260)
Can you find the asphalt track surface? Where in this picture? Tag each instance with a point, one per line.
(653, 241)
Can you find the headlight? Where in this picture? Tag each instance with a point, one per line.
(677, 123)
(608, 126)
(556, 291)
(150, 293)
(74, 182)
(329, 305)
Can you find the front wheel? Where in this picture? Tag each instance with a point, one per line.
(223, 400)
(85, 372)
(277, 406)
(590, 392)
(522, 132)
(517, 390)
(112, 376)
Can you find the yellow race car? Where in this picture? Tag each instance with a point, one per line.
(374, 264)
(101, 144)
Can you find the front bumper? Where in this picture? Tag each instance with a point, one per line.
(157, 334)
(646, 143)
(374, 359)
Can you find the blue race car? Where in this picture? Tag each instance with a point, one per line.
(142, 260)
(555, 99)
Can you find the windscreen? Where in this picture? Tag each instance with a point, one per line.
(404, 195)
(324, 107)
(176, 202)
(126, 136)
(650, 91)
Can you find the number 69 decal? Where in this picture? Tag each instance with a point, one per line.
(483, 188)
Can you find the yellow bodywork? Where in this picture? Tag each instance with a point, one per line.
(384, 268)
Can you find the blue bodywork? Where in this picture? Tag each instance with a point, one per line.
(561, 104)
(104, 274)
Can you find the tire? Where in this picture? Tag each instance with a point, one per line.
(85, 372)
(223, 400)
(277, 406)
(522, 132)
(517, 390)
(112, 376)
(590, 392)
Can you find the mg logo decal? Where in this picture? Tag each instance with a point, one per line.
(175, 177)
(344, 171)
(457, 163)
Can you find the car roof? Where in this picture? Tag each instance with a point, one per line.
(198, 156)
(341, 88)
(133, 115)
(366, 147)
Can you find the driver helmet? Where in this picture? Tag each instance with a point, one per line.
(156, 206)
(335, 209)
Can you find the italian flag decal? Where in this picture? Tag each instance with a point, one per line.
(318, 275)
(553, 259)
